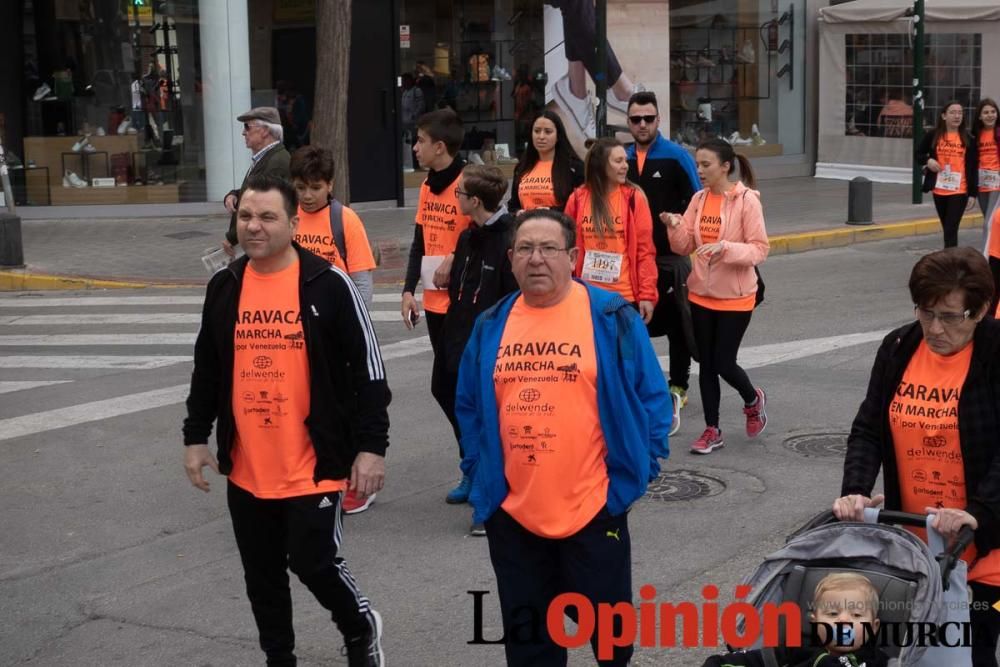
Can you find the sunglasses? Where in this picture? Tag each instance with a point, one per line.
(635, 120)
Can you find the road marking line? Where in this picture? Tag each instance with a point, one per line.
(9, 386)
(74, 319)
(65, 340)
(92, 361)
(62, 302)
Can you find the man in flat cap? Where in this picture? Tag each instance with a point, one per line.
(263, 135)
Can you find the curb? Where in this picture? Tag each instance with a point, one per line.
(782, 244)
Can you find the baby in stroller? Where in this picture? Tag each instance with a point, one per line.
(841, 600)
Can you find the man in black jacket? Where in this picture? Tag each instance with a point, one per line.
(263, 135)
(480, 275)
(287, 361)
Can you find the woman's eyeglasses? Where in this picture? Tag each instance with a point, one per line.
(927, 316)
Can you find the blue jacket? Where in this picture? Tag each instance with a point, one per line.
(632, 400)
(669, 178)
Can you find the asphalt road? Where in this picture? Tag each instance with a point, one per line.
(109, 557)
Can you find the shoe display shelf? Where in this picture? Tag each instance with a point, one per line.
(80, 164)
(30, 185)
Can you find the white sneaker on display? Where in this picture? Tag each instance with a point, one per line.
(41, 92)
(755, 136)
(71, 180)
(622, 105)
(83, 146)
(736, 140)
(124, 126)
(581, 110)
(101, 132)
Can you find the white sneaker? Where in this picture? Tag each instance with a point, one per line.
(736, 140)
(755, 136)
(166, 126)
(41, 92)
(83, 146)
(71, 180)
(124, 126)
(101, 132)
(622, 105)
(675, 424)
(580, 110)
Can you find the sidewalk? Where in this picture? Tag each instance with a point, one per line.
(802, 214)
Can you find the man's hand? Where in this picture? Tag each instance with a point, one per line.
(230, 202)
(949, 521)
(228, 247)
(411, 314)
(852, 508)
(367, 474)
(442, 275)
(646, 310)
(197, 457)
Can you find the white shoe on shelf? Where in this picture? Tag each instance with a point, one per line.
(42, 92)
(580, 110)
(124, 126)
(82, 145)
(755, 136)
(101, 132)
(71, 180)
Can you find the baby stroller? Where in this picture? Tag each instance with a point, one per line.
(917, 582)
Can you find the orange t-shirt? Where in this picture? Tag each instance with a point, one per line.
(951, 157)
(994, 246)
(273, 455)
(606, 261)
(923, 421)
(441, 222)
(550, 428)
(989, 162)
(535, 189)
(314, 234)
(640, 157)
(709, 226)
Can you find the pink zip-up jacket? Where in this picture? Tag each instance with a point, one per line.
(729, 274)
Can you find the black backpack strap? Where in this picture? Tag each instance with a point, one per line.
(337, 228)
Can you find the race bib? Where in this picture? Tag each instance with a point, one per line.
(989, 179)
(949, 180)
(602, 267)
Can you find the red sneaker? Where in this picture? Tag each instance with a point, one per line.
(354, 504)
(710, 440)
(756, 417)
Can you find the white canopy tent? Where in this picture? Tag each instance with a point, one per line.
(845, 152)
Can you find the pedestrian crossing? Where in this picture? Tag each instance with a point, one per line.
(61, 355)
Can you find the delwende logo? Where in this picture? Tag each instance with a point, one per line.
(655, 625)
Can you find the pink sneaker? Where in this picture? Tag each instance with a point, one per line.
(710, 440)
(353, 503)
(756, 416)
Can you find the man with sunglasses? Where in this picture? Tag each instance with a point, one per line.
(667, 174)
(564, 414)
(263, 135)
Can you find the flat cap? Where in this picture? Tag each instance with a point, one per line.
(267, 114)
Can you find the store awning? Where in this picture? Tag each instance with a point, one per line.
(865, 11)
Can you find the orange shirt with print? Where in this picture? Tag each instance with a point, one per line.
(314, 234)
(994, 245)
(951, 154)
(535, 189)
(614, 245)
(273, 455)
(709, 227)
(640, 157)
(923, 421)
(441, 222)
(989, 159)
(546, 388)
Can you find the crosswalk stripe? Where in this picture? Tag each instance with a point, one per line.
(92, 361)
(65, 340)
(101, 318)
(165, 300)
(7, 386)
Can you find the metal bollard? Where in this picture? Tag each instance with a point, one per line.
(859, 201)
(11, 247)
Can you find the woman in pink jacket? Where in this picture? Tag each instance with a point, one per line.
(724, 227)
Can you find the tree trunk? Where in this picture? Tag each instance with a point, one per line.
(333, 64)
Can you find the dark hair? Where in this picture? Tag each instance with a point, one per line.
(942, 128)
(486, 182)
(443, 125)
(567, 223)
(977, 125)
(562, 177)
(596, 179)
(724, 151)
(311, 164)
(267, 183)
(643, 97)
(940, 273)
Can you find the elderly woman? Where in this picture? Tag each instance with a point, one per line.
(931, 422)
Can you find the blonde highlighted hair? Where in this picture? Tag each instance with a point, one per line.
(848, 581)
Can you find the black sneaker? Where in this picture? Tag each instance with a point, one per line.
(366, 651)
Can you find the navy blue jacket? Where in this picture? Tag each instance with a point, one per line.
(669, 178)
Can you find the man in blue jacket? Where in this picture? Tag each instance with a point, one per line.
(563, 412)
(667, 174)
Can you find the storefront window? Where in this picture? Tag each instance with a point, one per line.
(879, 71)
(112, 104)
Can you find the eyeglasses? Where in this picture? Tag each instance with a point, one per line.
(635, 120)
(461, 193)
(546, 251)
(249, 126)
(947, 320)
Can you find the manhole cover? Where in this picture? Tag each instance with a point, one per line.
(683, 485)
(180, 236)
(819, 444)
